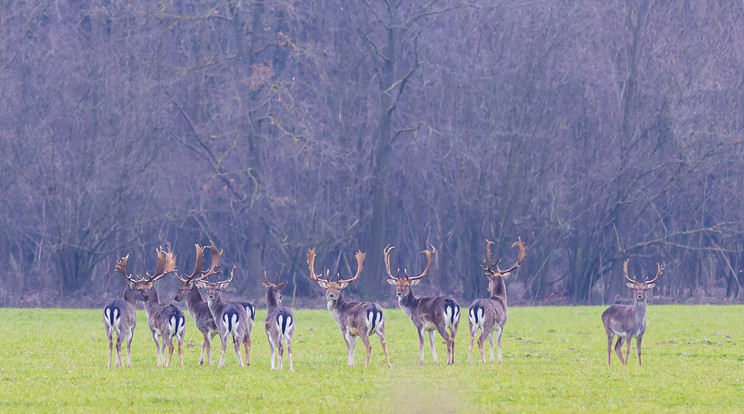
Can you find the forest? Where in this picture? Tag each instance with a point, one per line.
(594, 131)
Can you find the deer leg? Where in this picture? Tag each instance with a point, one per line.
(119, 340)
(490, 339)
(111, 346)
(421, 346)
(211, 336)
(223, 338)
(638, 347)
(170, 351)
(280, 348)
(449, 340)
(367, 347)
(247, 346)
(204, 346)
(289, 352)
(381, 334)
(432, 335)
(610, 337)
(627, 352)
(271, 346)
(157, 346)
(130, 335)
(452, 337)
(618, 349)
(236, 344)
(180, 351)
(473, 331)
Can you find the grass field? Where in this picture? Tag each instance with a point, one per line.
(554, 361)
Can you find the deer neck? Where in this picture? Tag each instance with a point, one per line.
(408, 302)
(152, 301)
(215, 306)
(271, 301)
(336, 306)
(499, 290)
(129, 296)
(639, 310)
(194, 299)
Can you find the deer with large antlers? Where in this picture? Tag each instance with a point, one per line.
(489, 314)
(167, 323)
(628, 321)
(119, 314)
(231, 318)
(280, 322)
(356, 319)
(428, 314)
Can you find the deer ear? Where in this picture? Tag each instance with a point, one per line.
(415, 282)
(391, 282)
(281, 285)
(201, 285)
(343, 285)
(630, 285)
(650, 285)
(264, 285)
(322, 283)
(130, 284)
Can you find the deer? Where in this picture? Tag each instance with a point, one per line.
(490, 314)
(166, 322)
(231, 318)
(355, 319)
(280, 322)
(119, 315)
(628, 321)
(428, 314)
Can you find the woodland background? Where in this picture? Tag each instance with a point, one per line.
(595, 131)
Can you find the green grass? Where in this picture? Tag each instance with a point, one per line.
(554, 361)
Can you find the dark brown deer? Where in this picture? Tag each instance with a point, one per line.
(198, 308)
(231, 318)
(280, 322)
(356, 319)
(628, 321)
(489, 314)
(119, 314)
(428, 314)
(166, 321)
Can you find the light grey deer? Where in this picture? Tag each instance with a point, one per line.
(280, 322)
(198, 308)
(428, 314)
(628, 321)
(119, 314)
(356, 319)
(167, 323)
(489, 314)
(231, 318)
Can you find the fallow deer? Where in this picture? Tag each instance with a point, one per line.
(490, 314)
(119, 314)
(167, 323)
(428, 314)
(628, 321)
(231, 318)
(280, 322)
(198, 308)
(356, 319)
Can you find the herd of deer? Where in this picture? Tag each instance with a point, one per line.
(355, 319)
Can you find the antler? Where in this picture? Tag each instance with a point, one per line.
(520, 257)
(198, 266)
(429, 254)
(121, 267)
(387, 261)
(359, 256)
(311, 265)
(625, 270)
(488, 263)
(215, 263)
(224, 283)
(166, 264)
(659, 269)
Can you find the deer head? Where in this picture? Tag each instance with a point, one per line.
(640, 288)
(273, 290)
(493, 271)
(333, 289)
(213, 288)
(142, 285)
(189, 281)
(403, 284)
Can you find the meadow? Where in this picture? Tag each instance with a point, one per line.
(554, 361)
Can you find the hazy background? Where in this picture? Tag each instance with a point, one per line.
(595, 131)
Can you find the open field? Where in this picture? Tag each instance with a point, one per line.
(554, 360)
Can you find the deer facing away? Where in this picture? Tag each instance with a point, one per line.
(628, 321)
(428, 314)
(167, 323)
(279, 324)
(119, 314)
(355, 319)
(489, 314)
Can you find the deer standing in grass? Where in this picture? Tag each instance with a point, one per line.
(490, 314)
(356, 319)
(119, 314)
(279, 324)
(428, 314)
(628, 321)
(167, 323)
(231, 318)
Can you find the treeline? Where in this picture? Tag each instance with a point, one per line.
(595, 132)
